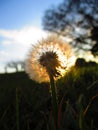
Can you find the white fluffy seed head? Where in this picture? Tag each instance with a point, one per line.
(49, 56)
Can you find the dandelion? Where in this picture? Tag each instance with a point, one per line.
(49, 56)
(48, 60)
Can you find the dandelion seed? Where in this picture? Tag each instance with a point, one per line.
(49, 56)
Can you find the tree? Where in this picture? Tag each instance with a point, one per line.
(94, 37)
(74, 19)
(17, 65)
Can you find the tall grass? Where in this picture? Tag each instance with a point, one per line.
(81, 87)
(77, 90)
(17, 110)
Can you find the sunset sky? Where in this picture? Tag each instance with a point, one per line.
(20, 26)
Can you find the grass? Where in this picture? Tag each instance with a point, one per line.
(80, 86)
(31, 100)
(31, 105)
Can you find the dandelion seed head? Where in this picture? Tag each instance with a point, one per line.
(49, 56)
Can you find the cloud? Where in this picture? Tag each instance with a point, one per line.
(15, 43)
(23, 36)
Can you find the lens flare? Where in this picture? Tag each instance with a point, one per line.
(49, 56)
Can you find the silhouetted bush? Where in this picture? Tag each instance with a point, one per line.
(80, 62)
(92, 63)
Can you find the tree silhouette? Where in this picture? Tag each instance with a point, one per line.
(94, 37)
(74, 19)
(17, 65)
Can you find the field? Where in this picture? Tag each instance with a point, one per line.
(26, 104)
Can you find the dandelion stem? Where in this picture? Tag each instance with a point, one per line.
(54, 100)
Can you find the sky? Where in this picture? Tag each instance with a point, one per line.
(20, 26)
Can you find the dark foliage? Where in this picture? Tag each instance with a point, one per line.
(94, 36)
(80, 62)
(79, 86)
(32, 100)
(75, 19)
(76, 88)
